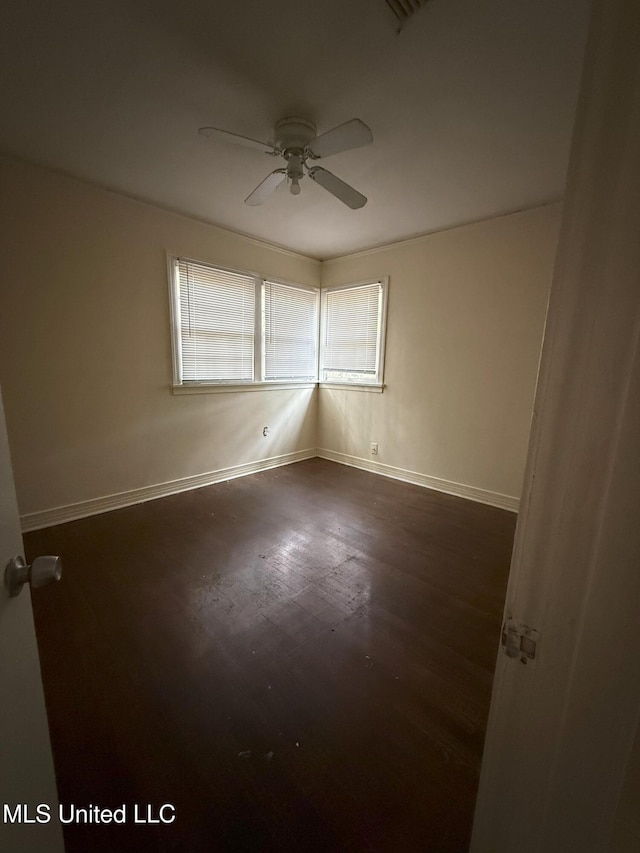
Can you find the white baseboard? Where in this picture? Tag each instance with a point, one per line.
(458, 489)
(95, 506)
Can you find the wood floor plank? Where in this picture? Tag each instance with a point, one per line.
(297, 660)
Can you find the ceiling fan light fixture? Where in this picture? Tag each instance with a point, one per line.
(295, 171)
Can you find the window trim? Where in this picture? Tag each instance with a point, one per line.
(374, 387)
(181, 386)
(228, 387)
(378, 385)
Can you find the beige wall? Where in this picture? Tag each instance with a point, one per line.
(465, 323)
(85, 354)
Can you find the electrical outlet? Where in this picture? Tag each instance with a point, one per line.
(374, 448)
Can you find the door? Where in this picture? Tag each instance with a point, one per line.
(562, 724)
(26, 764)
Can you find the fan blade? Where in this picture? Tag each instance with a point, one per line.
(263, 190)
(227, 136)
(351, 134)
(346, 193)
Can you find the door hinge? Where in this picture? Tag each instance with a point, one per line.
(520, 641)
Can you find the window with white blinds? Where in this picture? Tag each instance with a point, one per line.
(217, 324)
(353, 334)
(234, 328)
(290, 332)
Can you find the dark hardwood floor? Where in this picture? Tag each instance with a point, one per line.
(298, 660)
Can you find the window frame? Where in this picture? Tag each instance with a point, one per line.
(180, 386)
(258, 383)
(378, 384)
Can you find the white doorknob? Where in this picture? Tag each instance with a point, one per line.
(42, 571)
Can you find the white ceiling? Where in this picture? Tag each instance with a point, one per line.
(471, 106)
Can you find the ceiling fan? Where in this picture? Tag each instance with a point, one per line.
(296, 141)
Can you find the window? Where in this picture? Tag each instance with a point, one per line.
(234, 328)
(217, 324)
(353, 327)
(290, 332)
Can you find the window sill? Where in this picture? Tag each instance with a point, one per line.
(353, 386)
(230, 387)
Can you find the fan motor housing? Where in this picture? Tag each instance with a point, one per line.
(294, 133)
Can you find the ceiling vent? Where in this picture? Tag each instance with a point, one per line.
(404, 10)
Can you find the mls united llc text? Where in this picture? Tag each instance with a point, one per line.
(43, 813)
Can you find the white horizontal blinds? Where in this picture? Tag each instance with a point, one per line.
(351, 333)
(217, 323)
(290, 332)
